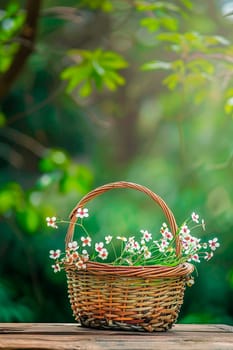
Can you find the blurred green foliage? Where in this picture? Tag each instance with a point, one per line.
(11, 20)
(114, 90)
(98, 67)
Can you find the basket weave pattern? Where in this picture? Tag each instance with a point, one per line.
(142, 298)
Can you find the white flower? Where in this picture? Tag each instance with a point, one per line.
(86, 241)
(103, 254)
(99, 246)
(195, 217)
(195, 257)
(55, 254)
(213, 244)
(82, 213)
(56, 268)
(163, 245)
(167, 234)
(51, 221)
(135, 245)
(108, 239)
(208, 256)
(184, 230)
(73, 245)
(146, 235)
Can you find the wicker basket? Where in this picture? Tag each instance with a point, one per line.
(141, 298)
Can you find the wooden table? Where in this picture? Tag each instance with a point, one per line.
(71, 336)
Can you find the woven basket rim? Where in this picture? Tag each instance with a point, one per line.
(153, 271)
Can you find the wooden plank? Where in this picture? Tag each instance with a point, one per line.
(74, 328)
(72, 336)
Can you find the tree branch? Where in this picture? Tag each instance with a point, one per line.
(28, 35)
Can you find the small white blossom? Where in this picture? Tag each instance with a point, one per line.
(147, 236)
(56, 268)
(195, 217)
(167, 234)
(86, 241)
(213, 244)
(108, 239)
(163, 245)
(73, 245)
(195, 257)
(103, 254)
(52, 221)
(55, 254)
(208, 256)
(99, 246)
(184, 230)
(82, 213)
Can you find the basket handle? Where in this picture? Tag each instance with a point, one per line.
(123, 184)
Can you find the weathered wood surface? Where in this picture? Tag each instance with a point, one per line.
(71, 336)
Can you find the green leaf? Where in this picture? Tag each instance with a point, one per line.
(154, 65)
(76, 75)
(85, 89)
(172, 81)
(113, 79)
(98, 67)
(169, 23)
(151, 23)
(170, 37)
(201, 65)
(112, 60)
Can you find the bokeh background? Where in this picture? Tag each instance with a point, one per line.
(98, 91)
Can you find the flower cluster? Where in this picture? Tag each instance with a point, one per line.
(140, 250)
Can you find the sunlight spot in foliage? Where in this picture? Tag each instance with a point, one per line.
(54, 160)
(35, 198)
